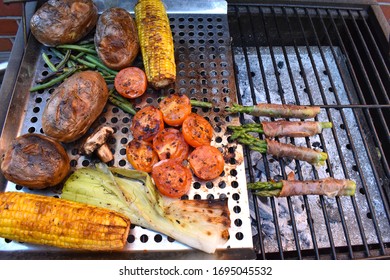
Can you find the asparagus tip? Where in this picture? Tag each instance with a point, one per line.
(235, 108)
(322, 157)
(350, 189)
(266, 188)
(326, 125)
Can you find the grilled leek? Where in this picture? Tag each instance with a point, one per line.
(200, 224)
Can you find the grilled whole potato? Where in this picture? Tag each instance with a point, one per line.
(63, 22)
(35, 161)
(74, 106)
(116, 38)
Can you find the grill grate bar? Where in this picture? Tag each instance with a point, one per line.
(355, 106)
(369, 117)
(369, 54)
(358, 163)
(286, 5)
(248, 159)
(282, 167)
(336, 138)
(344, 165)
(324, 60)
(381, 61)
(361, 66)
(318, 79)
(247, 150)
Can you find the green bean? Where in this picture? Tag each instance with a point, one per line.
(82, 61)
(99, 64)
(77, 48)
(54, 81)
(121, 102)
(48, 62)
(64, 59)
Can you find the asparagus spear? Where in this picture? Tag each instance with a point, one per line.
(330, 187)
(195, 103)
(276, 110)
(283, 150)
(202, 104)
(281, 128)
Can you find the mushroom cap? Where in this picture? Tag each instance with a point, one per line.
(97, 139)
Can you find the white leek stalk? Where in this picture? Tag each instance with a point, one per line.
(201, 224)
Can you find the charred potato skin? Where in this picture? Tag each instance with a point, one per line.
(116, 38)
(35, 161)
(63, 22)
(74, 106)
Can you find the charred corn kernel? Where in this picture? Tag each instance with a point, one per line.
(61, 223)
(155, 36)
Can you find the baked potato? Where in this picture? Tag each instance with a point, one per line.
(74, 106)
(116, 38)
(63, 22)
(35, 161)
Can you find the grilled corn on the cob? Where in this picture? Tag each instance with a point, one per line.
(61, 223)
(156, 42)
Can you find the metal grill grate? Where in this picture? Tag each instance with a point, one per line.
(327, 57)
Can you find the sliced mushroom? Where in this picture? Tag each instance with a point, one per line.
(96, 142)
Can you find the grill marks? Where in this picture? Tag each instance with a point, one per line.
(147, 123)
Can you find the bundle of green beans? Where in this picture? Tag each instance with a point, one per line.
(83, 56)
(78, 58)
(73, 58)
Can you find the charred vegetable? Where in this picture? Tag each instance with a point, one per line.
(141, 155)
(197, 131)
(172, 178)
(175, 109)
(169, 143)
(199, 224)
(280, 150)
(74, 106)
(146, 123)
(116, 38)
(131, 82)
(63, 22)
(156, 42)
(57, 222)
(330, 187)
(277, 110)
(35, 161)
(206, 162)
(281, 128)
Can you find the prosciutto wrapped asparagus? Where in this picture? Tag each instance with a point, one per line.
(277, 110)
(280, 150)
(329, 187)
(281, 128)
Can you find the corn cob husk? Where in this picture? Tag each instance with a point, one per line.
(61, 223)
(156, 42)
